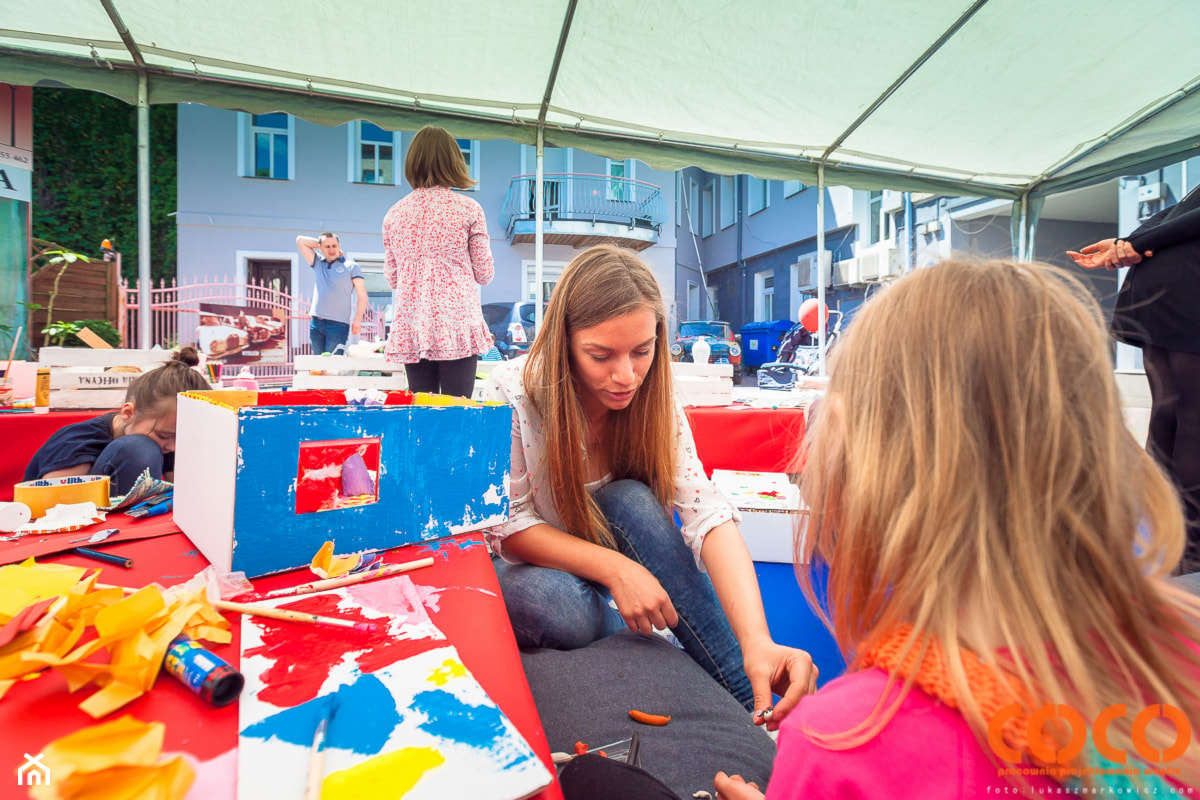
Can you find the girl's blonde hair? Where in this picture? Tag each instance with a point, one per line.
(599, 284)
(435, 159)
(971, 462)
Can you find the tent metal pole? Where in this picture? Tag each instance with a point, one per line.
(539, 234)
(143, 226)
(1023, 230)
(821, 276)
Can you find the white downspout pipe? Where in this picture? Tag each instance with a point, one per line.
(143, 225)
(539, 234)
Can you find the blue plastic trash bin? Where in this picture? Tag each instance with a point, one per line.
(760, 341)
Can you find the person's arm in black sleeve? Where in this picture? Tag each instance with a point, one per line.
(1158, 231)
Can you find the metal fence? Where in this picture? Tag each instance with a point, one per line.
(579, 196)
(175, 312)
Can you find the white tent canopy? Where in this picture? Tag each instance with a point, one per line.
(998, 98)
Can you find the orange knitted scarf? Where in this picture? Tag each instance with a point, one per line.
(991, 688)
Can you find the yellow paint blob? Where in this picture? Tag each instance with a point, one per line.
(385, 777)
(449, 669)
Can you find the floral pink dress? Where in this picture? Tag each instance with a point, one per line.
(438, 254)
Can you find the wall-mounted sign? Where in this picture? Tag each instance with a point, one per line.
(16, 184)
(16, 128)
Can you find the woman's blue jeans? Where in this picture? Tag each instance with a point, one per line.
(552, 608)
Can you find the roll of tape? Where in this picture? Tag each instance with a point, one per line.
(13, 516)
(45, 493)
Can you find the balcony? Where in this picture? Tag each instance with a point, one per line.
(585, 210)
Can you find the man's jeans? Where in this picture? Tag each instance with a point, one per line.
(552, 608)
(325, 335)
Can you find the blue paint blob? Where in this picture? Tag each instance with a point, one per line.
(363, 716)
(450, 718)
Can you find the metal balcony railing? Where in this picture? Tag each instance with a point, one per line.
(581, 197)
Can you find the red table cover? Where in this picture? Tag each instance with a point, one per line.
(464, 601)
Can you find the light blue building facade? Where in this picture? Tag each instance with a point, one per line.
(248, 185)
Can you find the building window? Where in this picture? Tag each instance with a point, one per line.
(728, 200)
(678, 199)
(693, 300)
(792, 187)
(620, 175)
(264, 146)
(764, 291)
(693, 209)
(758, 194)
(470, 151)
(708, 209)
(880, 221)
(373, 152)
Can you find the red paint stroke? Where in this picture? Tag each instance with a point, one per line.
(305, 654)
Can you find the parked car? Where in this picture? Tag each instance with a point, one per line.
(511, 325)
(724, 347)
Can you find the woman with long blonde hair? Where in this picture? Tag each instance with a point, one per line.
(602, 457)
(998, 543)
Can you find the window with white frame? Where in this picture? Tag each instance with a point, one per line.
(693, 209)
(764, 296)
(758, 194)
(875, 219)
(264, 146)
(620, 175)
(374, 154)
(792, 187)
(551, 272)
(708, 210)
(693, 300)
(728, 200)
(470, 151)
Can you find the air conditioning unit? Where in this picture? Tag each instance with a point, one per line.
(805, 270)
(877, 263)
(847, 272)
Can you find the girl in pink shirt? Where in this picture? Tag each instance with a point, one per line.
(998, 547)
(438, 254)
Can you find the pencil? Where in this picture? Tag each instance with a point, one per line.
(347, 580)
(290, 616)
(108, 558)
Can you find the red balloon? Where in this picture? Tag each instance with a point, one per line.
(808, 314)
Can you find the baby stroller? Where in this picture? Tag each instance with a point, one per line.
(799, 353)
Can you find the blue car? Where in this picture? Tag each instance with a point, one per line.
(723, 345)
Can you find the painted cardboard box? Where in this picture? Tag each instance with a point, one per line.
(264, 478)
(771, 511)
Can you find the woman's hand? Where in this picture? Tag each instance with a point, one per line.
(1094, 255)
(734, 787)
(1108, 253)
(641, 600)
(785, 671)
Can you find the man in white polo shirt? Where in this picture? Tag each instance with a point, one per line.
(338, 280)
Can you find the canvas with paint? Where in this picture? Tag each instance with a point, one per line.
(406, 719)
(762, 491)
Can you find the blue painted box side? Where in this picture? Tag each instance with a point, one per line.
(442, 470)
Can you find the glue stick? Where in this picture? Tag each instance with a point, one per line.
(206, 674)
(41, 402)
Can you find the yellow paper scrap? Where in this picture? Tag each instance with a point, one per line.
(117, 759)
(23, 584)
(326, 565)
(103, 637)
(131, 614)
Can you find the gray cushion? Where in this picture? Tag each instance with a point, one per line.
(1190, 582)
(586, 695)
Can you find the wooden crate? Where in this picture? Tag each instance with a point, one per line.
(81, 377)
(703, 384)
(341, 372)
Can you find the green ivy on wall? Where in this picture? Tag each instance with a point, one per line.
(85, 176)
